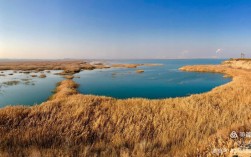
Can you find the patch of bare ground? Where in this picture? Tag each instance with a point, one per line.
(73, 124)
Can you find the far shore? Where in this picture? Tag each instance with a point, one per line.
(69, 67)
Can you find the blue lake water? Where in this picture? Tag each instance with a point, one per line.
(156, 82)
(29, 90)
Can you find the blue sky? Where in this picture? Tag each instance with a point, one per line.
(124, 28)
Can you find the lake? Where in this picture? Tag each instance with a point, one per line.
(22, 89)
(155, 82)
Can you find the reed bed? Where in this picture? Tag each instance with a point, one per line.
(73, 124)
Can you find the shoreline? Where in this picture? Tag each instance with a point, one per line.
(103, 117)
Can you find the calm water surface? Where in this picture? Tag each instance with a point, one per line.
(156, 81)
(29, 90)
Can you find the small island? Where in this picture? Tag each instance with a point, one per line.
(139, 71)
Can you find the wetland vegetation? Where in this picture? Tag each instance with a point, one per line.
(86, 125)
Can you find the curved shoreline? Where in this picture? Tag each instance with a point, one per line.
(193, 68)
(131, 126)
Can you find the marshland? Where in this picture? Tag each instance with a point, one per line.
(125, 78)
(74, 124)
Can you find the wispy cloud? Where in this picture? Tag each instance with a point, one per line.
(219, 50)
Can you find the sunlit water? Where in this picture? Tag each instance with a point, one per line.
(156, 81)
(29, 90)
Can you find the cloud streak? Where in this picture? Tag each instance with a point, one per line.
(219, 50)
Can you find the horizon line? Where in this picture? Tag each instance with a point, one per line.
(110, 59)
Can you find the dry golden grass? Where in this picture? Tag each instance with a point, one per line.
(239, 63)
(42, 76)
(72, 124)
(68, 66)
(139, 71)
(69, 76)
(240, 59)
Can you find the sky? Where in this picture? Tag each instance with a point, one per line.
(124, 29)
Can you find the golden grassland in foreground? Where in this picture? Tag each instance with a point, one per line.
(73, 124)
